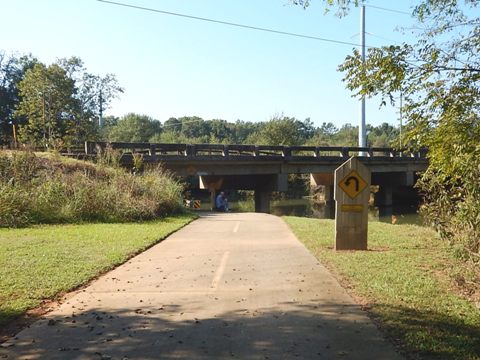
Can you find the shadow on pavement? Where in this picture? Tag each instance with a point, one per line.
(173, 331)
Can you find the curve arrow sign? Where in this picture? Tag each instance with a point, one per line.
(350, 179)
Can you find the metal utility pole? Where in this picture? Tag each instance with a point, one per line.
(401, 119)
(100, 117)
(362, 131)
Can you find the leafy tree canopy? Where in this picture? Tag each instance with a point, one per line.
(283, 130)
(47, 103)
(12, 71)
(57, 104)
(134, 128)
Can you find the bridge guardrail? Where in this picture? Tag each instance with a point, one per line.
(250, 151)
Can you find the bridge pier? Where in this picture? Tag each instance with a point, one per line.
(213, 185)
(329, 202)
(262, 201)
(327, 181)
(263, 185)
(384, 196)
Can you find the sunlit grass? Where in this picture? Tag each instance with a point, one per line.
(40, 262)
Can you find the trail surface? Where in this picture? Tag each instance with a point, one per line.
(226, 286)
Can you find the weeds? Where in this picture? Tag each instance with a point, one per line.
(38, 189)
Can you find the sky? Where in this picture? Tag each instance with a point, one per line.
(172, 66)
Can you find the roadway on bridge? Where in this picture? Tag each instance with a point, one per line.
(226, 286)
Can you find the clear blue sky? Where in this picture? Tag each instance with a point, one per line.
(171, 66)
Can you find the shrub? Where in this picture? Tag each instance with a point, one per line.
(452, 201)
(44, 189)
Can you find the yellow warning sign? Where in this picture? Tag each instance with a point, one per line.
(352, 184)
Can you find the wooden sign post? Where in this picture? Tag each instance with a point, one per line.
(352, 192)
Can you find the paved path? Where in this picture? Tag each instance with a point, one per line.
(226, 286)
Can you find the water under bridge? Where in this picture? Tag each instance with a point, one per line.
(265, 168)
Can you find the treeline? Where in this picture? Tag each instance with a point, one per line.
(60, 105)
(279, 130)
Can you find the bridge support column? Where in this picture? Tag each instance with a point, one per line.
(329, 202)
(384, 196)
(213, 196)
(325, 180)
(262, 201)
(213, 184)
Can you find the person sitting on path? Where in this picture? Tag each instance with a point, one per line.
(221, 202)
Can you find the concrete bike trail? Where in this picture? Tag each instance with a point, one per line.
(226, 286)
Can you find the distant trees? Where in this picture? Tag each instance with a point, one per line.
(134, 128)
(279, 130)
(58, 105)
(283, 130)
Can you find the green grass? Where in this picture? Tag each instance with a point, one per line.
(405, 280)
(40, 262)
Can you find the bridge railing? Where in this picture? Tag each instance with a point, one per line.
(249, 151)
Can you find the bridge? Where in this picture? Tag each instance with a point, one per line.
(265, 168)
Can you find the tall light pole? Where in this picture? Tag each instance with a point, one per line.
(362, 130)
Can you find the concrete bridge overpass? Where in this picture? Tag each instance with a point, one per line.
(265, 168)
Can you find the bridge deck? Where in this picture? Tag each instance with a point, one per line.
(250, 152)
(201, 159)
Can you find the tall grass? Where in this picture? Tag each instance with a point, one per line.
(49, 189)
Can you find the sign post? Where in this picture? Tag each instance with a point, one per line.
(352, 192)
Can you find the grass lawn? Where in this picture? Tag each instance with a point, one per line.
(40, 262)
(405, 281)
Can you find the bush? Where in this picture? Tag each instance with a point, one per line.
(452, 201)
(39, 189)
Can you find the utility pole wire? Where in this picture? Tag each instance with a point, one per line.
(232, 24)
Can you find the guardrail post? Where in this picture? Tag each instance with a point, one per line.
(286, 152)
(89, 147)
(152, 151)
(256, 152)
(345, 152)
(189, 150)
(370, 152)
(226, 151)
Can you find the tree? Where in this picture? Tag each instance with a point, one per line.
(52, 104)
(194, 127)
(384, 135)
(347, 135)
(280, 130)
(438, 77)
(48, 104)
(12, 71)
(94, 94)
(242, 130)
(134, 128)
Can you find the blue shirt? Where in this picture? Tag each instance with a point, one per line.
(219, 202)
